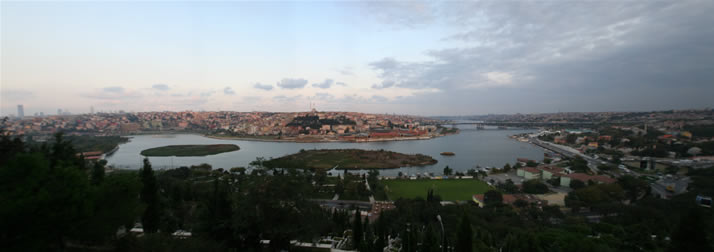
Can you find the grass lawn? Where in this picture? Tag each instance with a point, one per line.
(189, 150)
(450, 189)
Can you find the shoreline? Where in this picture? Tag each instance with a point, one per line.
(323, 140)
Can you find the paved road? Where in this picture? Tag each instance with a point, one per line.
(571, 153)
(371, 196)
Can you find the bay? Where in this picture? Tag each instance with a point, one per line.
(490, 147)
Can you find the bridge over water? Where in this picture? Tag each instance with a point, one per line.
(482, 125)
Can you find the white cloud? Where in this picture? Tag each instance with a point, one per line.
(292, 83)
(499, 77)
(265, 87)
(324, 85)
(160, 87)
(228, 91)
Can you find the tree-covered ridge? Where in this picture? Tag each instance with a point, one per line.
(52, 200)
(314, 121)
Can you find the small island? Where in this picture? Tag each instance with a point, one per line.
(350, 159)
(189, 150)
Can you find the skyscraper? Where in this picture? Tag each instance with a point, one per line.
(20, 111)
(59, 111)
(91, 110)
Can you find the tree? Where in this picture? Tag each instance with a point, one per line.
(579, 164)
(464, 242)
(97, 173)
(368, 236)
(150, 197)
(534, 187)
(531, 163)
(114, 205)
(492, 197)
(576, 184)
(472, 172)
(633, 187)
(520, 203)
(357, 229)
(508, 186)
(447, 171)
(604, 167)
(41, 205)
(339, 186)
(506, 167)
(429, 241)
(690, 235)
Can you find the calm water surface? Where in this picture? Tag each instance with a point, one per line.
(472, 147)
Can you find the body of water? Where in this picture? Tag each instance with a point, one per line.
(472, 147)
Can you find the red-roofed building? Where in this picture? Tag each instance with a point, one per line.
(92, 155)
(508, 199)
(390, 134)
(601, 179)
(604, 138)
(528, 172)
(550, 171)
(667, 136)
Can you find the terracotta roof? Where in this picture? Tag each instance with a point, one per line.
(585, 177)
(507, 198)
(551, 168)
(531, 169)
(91, 153)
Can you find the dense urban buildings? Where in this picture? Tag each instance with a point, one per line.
(314, 125)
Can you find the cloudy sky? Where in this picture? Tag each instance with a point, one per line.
(445, 58)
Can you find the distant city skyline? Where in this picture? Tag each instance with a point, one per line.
(409, 57)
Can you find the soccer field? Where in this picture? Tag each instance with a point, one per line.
(450, 189)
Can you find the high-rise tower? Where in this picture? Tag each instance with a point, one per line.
(20, 111)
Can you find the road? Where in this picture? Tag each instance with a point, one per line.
(371, 195)
(571, 153)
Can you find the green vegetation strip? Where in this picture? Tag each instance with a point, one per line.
(448, 189)
(189, 150)
(349, 159)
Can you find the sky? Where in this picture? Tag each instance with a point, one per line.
(406, 57)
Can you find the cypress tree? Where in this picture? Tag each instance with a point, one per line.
(369, 236)
(357, 229)
(429, 242)
(97, 173)
(149, 195)
(464, 236)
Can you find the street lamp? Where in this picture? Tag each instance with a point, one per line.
(443, 234)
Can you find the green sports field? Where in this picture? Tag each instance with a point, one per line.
(450, 189)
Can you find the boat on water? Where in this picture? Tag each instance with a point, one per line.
(447, 153)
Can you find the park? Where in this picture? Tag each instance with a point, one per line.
(448, 189)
